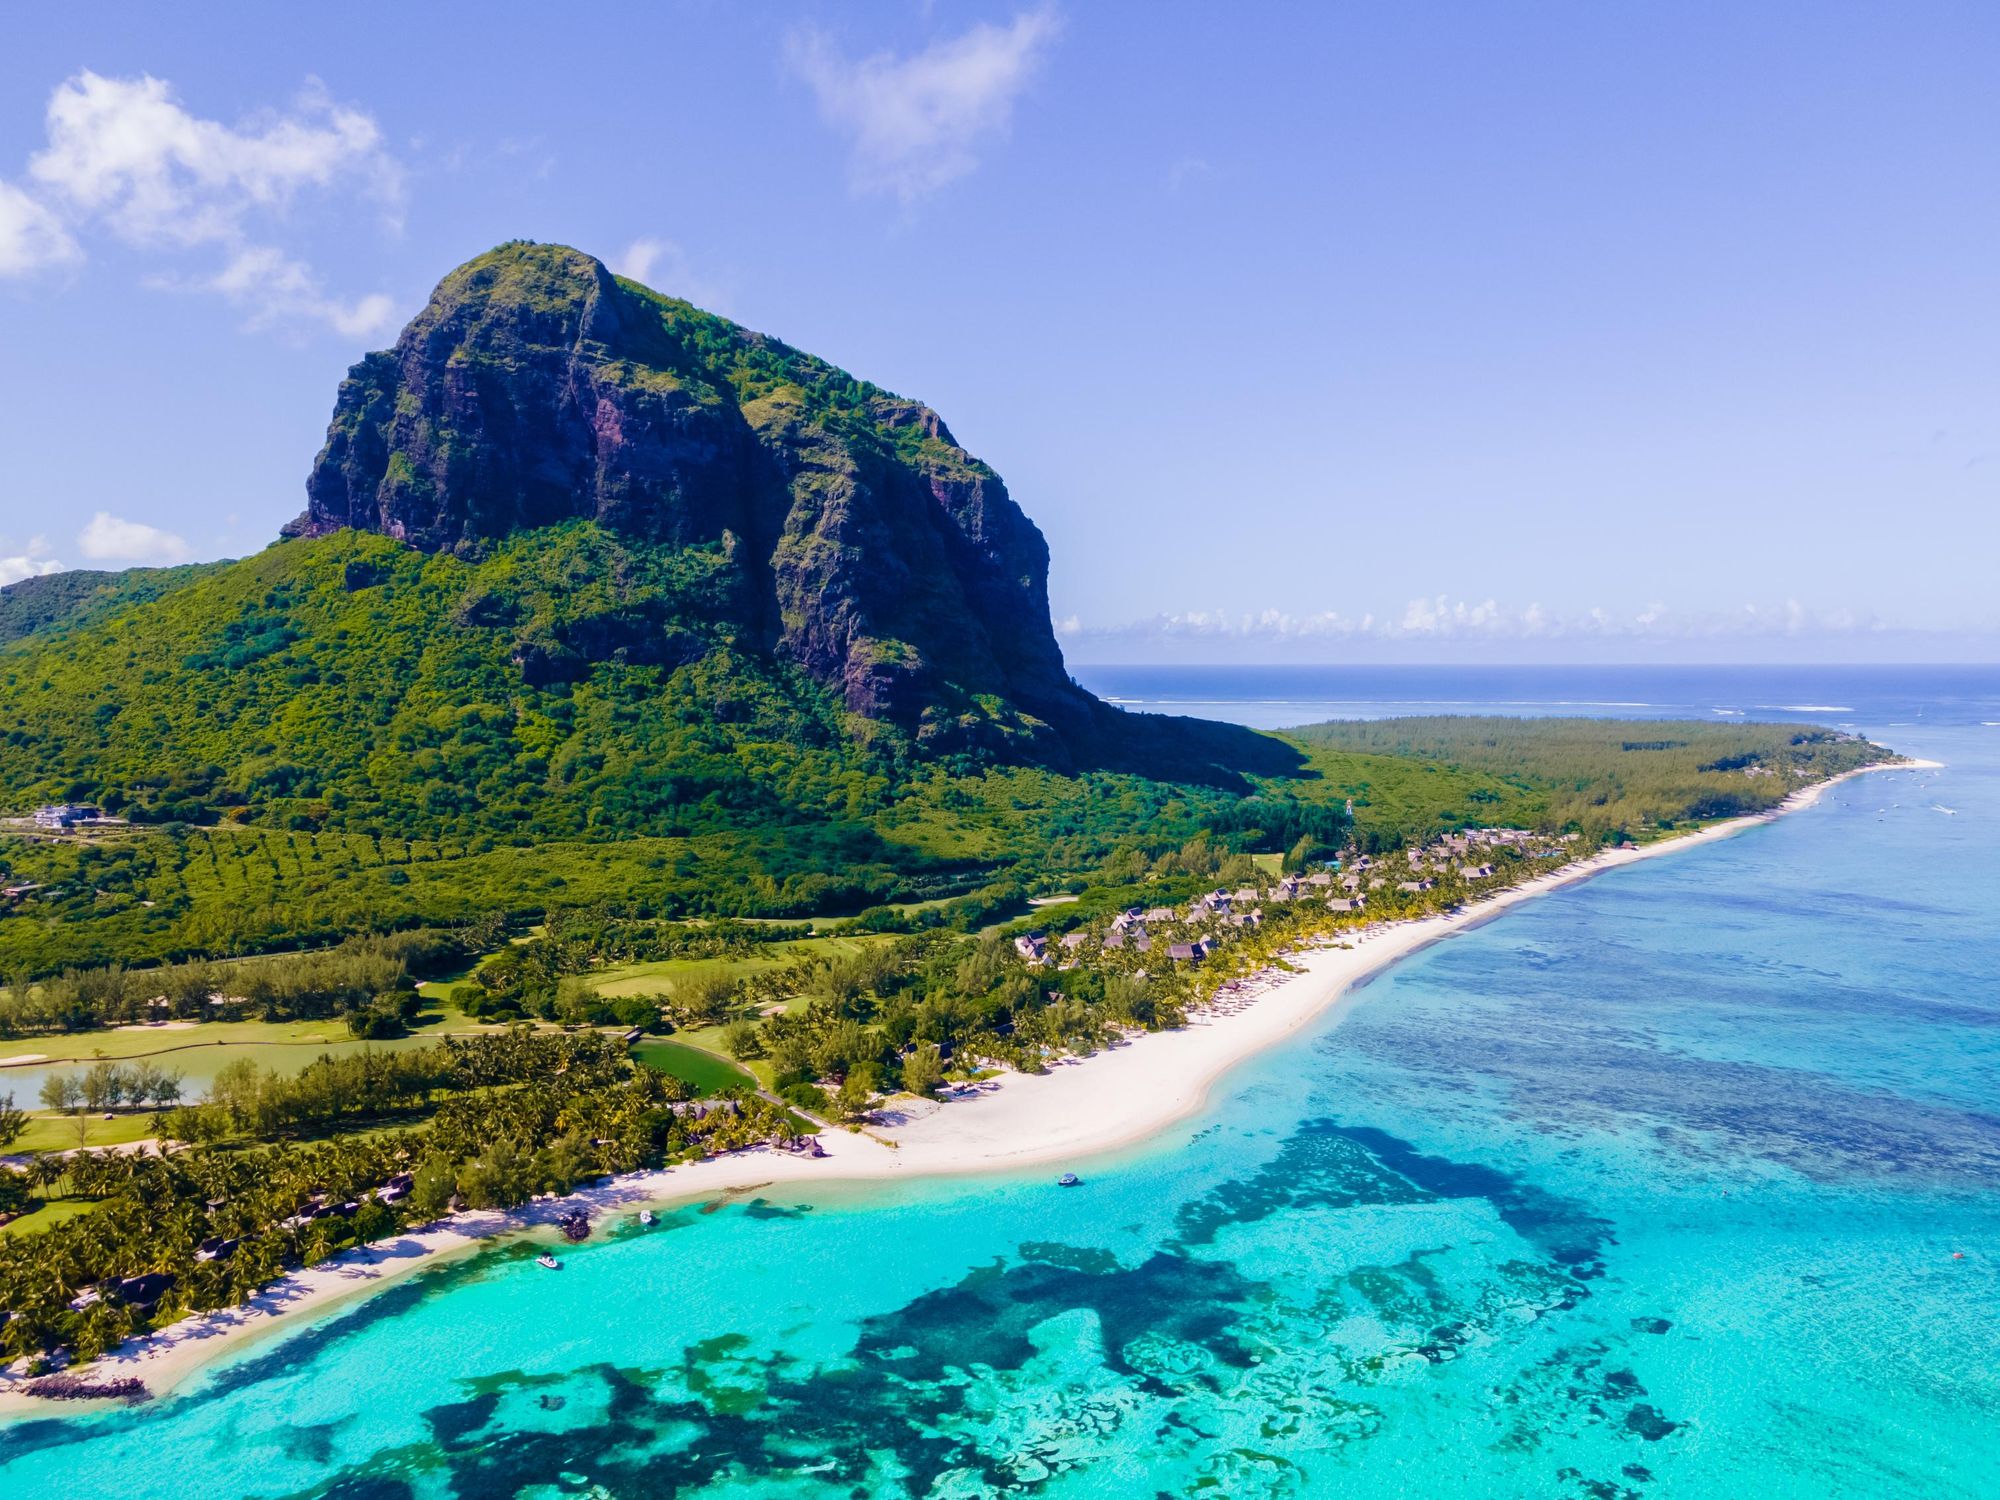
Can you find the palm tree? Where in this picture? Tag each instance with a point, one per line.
(46, 1169)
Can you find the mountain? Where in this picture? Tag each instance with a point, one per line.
(850, 533)
(595, 597)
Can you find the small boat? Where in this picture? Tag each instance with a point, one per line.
(646, 1216)
(548, 1262)
(1069, 1179)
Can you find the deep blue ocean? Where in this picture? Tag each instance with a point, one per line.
(1652, 1187)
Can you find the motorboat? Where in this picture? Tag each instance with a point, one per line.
(548, 1262)
(1069, 1179)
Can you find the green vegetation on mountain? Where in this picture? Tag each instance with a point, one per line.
(336, 735)
(57, 601)
(602, 602)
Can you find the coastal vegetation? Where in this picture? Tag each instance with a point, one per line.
(1609, 779)
(485, 1122)
(970, 844)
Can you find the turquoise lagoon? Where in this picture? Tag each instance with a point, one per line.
(1650, 1188)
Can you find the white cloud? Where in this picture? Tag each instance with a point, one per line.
(274, 289)
(25, 559)
(640, 257)
(125, 159)
(124, 151)
(14, 569)
(1441, 618)
(916, 120)
(663, 266)
(31, 237)
(109, 538)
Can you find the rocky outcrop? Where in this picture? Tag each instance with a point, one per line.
(536, 387)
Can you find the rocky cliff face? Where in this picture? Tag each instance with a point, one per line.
(874, 552)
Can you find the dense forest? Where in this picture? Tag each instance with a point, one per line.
(67, 600)
(878, 831)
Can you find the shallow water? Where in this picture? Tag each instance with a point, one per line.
(1650, 1188)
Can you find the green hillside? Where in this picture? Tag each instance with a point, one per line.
(57, 601)
(343, 734)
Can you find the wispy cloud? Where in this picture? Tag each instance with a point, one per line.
(126, 160)
(664, 266)
(109, 538)
(1441, 618)
(917, 121)
(274, 290)
(32, 238)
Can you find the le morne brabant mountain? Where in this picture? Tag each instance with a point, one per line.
(598, 598)
(810, 518)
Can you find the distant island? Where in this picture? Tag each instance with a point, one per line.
(651, 743)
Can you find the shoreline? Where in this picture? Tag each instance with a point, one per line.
(1078, 1109)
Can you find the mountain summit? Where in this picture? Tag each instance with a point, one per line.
(862, 543)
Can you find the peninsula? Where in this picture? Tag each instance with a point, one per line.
(1114, 1099)
(651, 748)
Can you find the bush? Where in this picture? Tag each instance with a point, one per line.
(636, 1010)
(806, 1096)
(376, 1024)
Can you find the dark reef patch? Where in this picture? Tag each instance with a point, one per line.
(1648, 1422)
(760, 1208)
(987, 1317)
(1328, 1165)
(1070, 1257)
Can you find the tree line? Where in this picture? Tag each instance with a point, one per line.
(351, 976)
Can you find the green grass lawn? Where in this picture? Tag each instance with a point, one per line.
(140, 1041)
(122, 1042)
(48, 1216)
(705, 1042)
(48, 1132)
(704, 1071)
(201, 1051)
(655, 978)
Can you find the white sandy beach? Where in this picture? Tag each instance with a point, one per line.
(1076, 1110)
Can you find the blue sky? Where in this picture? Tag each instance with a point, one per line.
(1344, 332)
